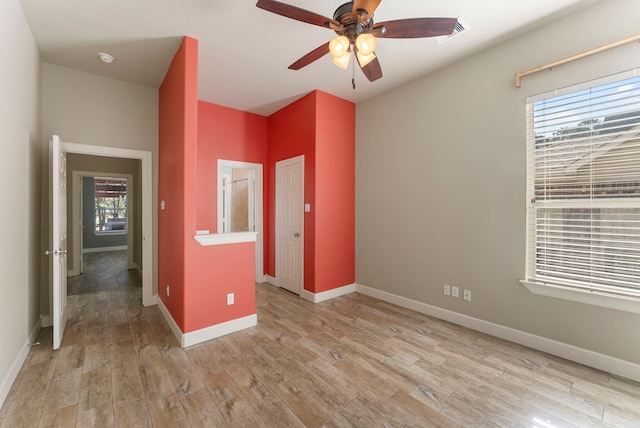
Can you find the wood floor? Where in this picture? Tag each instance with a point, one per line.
(350, 361)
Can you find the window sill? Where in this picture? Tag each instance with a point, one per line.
(593, 297)
(225, 238)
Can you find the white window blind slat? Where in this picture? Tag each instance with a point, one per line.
(583, 178)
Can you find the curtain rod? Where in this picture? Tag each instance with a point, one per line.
(535, 70)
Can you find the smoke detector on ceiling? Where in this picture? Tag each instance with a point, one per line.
(461, 26)
(106, 58)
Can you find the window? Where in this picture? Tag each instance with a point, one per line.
(110, 204)
(583, 179)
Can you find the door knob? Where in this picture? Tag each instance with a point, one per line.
(296, 234)
(49, 253)
(62, 251)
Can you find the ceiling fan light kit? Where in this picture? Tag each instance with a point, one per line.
(353, 23)
(339, 48)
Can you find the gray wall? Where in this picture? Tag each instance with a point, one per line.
(86, 108)
(453, 210)
(20, 166)
(89, 239)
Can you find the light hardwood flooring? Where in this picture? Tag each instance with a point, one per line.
(351, 361)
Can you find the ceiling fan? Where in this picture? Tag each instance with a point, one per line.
(353, 23)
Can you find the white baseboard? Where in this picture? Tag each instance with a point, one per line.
(101, 249)
(270, 280)
(136, 266)
(587, 357)
(7, 382)
(207, 333)
(329, 294)
(46, 321)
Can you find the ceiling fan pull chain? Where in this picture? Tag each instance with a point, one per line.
(353, 75)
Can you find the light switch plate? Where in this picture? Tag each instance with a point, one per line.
(307, 208)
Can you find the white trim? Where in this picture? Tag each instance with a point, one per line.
(149, 293)
(589, 297)
(271, 280)
(12, 374)
(138, 269)
(46, 321)
(217, 330)
(226, 238)
(101, 249)
(587, 357)
(329, 294)
(207, 333)
(169, 319)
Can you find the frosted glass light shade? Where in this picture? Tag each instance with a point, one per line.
(343, 61)
(365, 59)
(339, 46)
(366, 44)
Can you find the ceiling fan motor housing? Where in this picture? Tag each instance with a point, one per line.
(350, 27)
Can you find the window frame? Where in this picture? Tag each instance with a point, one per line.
(126, 208)
(627, 300)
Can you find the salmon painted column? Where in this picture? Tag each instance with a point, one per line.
(335, 194)
(176, 106)
(194, 280)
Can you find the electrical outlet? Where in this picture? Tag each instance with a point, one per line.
(230, 299)
(467, 295)
(447, 290)
(454, 291)
(167, 289)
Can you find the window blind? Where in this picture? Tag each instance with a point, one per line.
(583, 179)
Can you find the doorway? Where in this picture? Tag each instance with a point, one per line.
(77, 219)
(240, 204)
(149, 295)
(290, 224)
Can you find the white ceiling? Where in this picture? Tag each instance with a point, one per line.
(244, 51)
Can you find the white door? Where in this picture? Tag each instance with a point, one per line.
(290, 224)
(58, 242)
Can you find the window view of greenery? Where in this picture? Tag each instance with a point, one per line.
(110, 204)
(585, 187)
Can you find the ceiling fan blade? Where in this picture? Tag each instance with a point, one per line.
(372, 71)
(414, 28)
(296, 13)
(314, 55)
(369, 5)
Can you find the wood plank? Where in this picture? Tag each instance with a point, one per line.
(201, 409)
(64, 417)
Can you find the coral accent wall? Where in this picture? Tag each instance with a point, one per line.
(335, 192)
(225, 133)
(199, 277)
(292, 132)
(322, 128)
(176, 111)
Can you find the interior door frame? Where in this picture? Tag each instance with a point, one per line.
(284, 162)
(149, 292)
(258, 206)
(76, 216)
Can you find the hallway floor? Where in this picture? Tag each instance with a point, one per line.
(351, 361)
